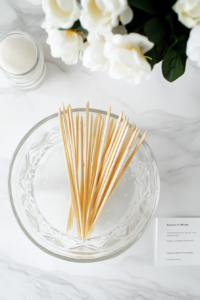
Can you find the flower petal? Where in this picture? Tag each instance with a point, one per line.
(127, 16)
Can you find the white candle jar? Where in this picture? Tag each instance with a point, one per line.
(21, 60)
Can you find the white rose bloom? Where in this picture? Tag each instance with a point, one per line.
(126, 59)
(103, 15)
(93, 54)
(188, 12)
(65, 44)
(61, 13)
(126, 16)
(193, 45)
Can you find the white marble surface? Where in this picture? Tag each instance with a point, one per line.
(171, 112)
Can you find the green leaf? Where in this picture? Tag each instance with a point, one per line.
(157, 30)
(176, 26)
(173, 65)
(172, 19)
(157, 54)
(145, 5)
(136, 27)
(77, 26)
(137, 24)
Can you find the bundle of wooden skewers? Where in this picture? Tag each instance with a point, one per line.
(103, 153)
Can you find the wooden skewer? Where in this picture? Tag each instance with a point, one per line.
(69, 145)
(71, 217)
(69, 171)
(71, 126)
(104, 157)
(89, 148)
(77, 162)
(97, 154)
(114, 133)
(81, 191)
(93, 166)
(131, 157)
(109, 136)
(85, 167)
(93, 147)
(135, 135)
(104, 142)
(111, 155)
(111, 141)
(110, 158)
(110, 187)
(88, 170)
(70, 214)
(66, 133)
(72, 135)
(107, 143)
(96, 168)
(100, 156)
(105, 133)
(110, 168)
(71, 140)
(70, 211)
(94, 134)
(77, 141)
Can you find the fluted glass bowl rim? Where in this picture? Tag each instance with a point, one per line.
(157, 178)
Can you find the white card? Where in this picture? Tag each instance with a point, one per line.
(178, 241)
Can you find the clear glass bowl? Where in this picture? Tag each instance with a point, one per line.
(39, 195)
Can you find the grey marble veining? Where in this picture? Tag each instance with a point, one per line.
(32, 283)
(170, 112)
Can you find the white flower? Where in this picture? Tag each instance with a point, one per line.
(193, 45)
(61, 13)
(93, 56)
(65, 44)
(103, 15)
(188, 12)
(126, 16)
(35, 2)
(126, 59)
